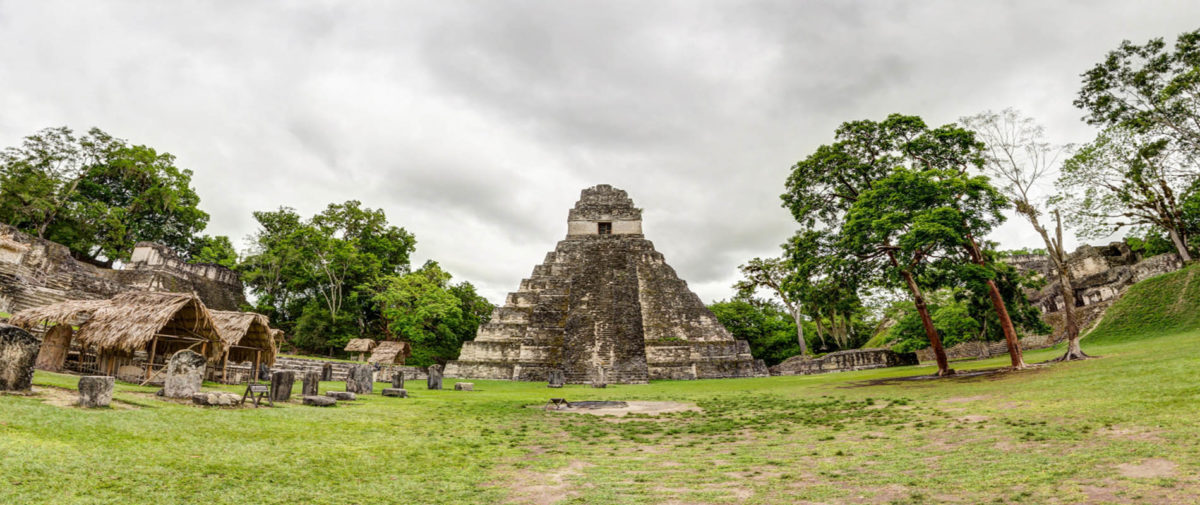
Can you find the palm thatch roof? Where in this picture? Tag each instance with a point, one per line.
(360, 345)
(130, 321)
(390, 353)
(246, 334)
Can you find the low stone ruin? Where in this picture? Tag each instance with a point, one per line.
(398, 381)
(341, 395)
(216, 399)
(396, 392)
(844, 361)
(320, 401)
(18, 354)
(185, 374)
(556, 379)
(281, 386)
(361, 379)
(435, 377)
(464, 386)
(95, 391)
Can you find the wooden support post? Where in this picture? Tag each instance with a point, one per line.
(254, 371)
(225, 367)
(150, 358)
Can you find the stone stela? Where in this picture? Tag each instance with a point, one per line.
(604, 303)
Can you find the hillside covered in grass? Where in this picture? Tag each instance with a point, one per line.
(1168, 303)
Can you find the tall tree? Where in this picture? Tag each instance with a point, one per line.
(764, 324)
(773, 274)
(1124, 178)
(423, 308)
(217, 250)
(1019, 156)
(97, 194)
(1148, 89)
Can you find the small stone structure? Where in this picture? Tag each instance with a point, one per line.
(361, 379)
(398, 381)
(341, 395)
(435, 377)
(319, 401)
(95, 391)
(327, 372)
(18, 353)
(396, 392)
(556, 379)
(604, 298)
(464, 386)
(216, 399)
(281, 385)
(312, 383)
(185, 373)
(844, 361)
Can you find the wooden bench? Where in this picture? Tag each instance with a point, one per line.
(557, 404)
(257, 392)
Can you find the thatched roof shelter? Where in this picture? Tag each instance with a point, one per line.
(390, 353)
(132, 321)
(360, 345)
(247, 335)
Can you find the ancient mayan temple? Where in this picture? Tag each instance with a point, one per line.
(604, 305)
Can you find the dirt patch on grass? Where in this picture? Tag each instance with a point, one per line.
(534, 488)
(1126, 433)
(635, 407)
(69, 398)
(1148, 469)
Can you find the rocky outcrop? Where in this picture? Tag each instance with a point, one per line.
(844, 361)
(605, 304)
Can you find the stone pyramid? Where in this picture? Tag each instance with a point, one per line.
(605, 306)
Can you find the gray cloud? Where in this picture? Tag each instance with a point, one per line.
(475, 125)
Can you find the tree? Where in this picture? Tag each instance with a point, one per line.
(1124, 178)
(436, 317)
(216, 250)
(765, 325)
(1147, 89)
(773, 274)
(1019, 156)
(97, 194)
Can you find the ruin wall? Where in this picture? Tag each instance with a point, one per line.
(844, 361)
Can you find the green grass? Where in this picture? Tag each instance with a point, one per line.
(1053, 434)
(1167, 303)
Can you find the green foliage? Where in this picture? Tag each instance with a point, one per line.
(1149, 243)
(1167, 303)
(436, 317)
(767, 327)
(97, 194)
(320, 274)
(215, 250)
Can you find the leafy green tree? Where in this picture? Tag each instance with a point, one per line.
(1148, 89)
(765, 325)
(436, 317)
(97, 195)
(1124, 178)
(216, 250)
(774, 275)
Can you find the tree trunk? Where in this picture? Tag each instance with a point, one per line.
(799, 331)
(935, 341)
(1071, 320)
(1180, 245)
(1006, 325)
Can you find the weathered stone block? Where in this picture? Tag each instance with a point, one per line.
(312, 383)
(185, 373)
(398, 379)
(281, 385)
(341, 395)
(556, 379)
(397, 392)
(361, 379)
(95, 391)
(464, 386)
(327, 372)
(18, 354)
(216, 399)
(435, 377)
(320, 401)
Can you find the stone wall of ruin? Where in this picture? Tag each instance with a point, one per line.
(844, 361)
(36, 272)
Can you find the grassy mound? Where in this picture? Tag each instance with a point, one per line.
(1166, 304)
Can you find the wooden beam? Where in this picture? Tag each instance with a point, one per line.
(150, 359)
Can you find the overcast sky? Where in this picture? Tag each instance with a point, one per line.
(476, 125)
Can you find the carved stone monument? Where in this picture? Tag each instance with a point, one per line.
(398, 379)
(281, 385)
(604, 298)
(95, 391)
(18, 353)
(360, 379)
(435, 377)
(556, 379)
(185, 373)
(312, 383)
